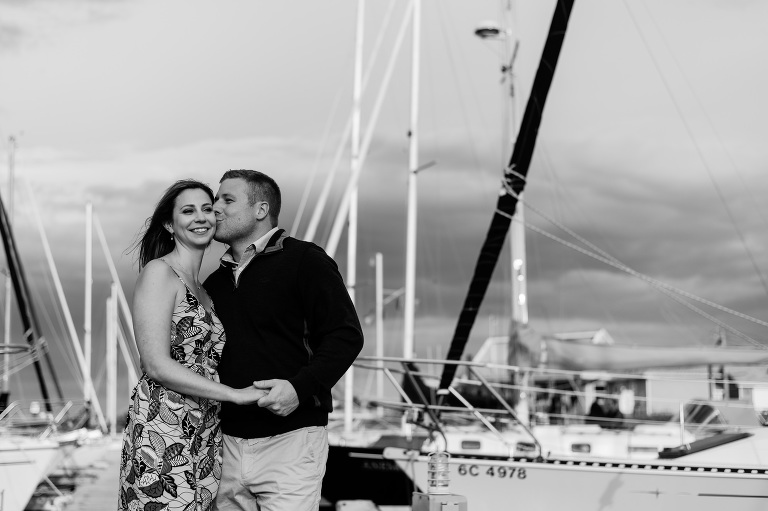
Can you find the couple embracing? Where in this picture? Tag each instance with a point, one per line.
(232, 408)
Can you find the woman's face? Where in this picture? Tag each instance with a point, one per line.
(194, 223)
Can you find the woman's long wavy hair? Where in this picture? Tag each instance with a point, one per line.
(156, 241)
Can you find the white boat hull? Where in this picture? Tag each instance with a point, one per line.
(501, 484)
(23, 464)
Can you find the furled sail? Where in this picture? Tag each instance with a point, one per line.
(512, 185)
(525, 347)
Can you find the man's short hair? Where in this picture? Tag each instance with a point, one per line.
(261, 188)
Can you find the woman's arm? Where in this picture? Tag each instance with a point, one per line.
(157, 293)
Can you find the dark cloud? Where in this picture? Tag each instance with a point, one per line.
(674, 230)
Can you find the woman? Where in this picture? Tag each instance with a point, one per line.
(171, 456)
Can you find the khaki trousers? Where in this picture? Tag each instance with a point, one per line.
(278, 473)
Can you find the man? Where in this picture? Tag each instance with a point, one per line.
(291, 326)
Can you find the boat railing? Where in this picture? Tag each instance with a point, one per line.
(429, 411)
(495, 403)
(40, 419)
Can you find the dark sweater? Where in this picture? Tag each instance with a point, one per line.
(289, 317)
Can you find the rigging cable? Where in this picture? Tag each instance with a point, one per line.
(695, 96)
(674, 293)
(447, 27)
(456, 80)
(559, 203)
(334, 109)
(315, 166)
(596, 296)
(311, 230)
(699, 152)
(57, 330)
(450, 255)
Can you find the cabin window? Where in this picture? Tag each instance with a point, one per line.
(470, 444)
(581, 448)
(523, 447)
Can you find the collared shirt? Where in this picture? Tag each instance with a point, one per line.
(251, 251)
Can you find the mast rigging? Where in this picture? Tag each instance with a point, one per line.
(513, 183)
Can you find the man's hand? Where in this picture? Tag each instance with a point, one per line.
(281, 398)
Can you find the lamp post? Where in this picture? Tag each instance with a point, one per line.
(494, 32)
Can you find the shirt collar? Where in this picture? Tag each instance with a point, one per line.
(257, 246)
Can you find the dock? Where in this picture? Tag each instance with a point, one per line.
(98, 492)
(97, 488)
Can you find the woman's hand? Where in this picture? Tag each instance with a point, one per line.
(247, 395)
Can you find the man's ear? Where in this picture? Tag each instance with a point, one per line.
(262, 210)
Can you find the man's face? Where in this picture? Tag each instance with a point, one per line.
(235, 218)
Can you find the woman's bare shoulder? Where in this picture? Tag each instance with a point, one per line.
(157, 273)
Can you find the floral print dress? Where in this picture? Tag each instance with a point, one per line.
(171, 457)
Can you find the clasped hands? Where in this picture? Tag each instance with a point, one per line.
(277, 396)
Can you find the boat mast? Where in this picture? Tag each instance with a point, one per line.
(124, 307)
(340, 219)
(513, 183)
(519, 264)
(357, 92)
(510, 45)
(88, 295)
(8, 284)
(21, 291)
(379, 266)
(518, 259)
(127, 342)
(87, 381)
(111, 360)
(314, 221)
(413, 168)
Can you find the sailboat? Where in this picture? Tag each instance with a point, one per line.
(38, 437)
(24, 459)
(701, 470)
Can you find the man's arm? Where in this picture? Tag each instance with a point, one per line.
(334, 330)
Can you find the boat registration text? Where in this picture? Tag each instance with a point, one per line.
(491, 471)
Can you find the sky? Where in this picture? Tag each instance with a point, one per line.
(652, 147)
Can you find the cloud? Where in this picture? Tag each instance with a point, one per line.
(645, 219)
(10, 35)
(37, 22)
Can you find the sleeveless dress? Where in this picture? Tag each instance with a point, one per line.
(171, 456)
